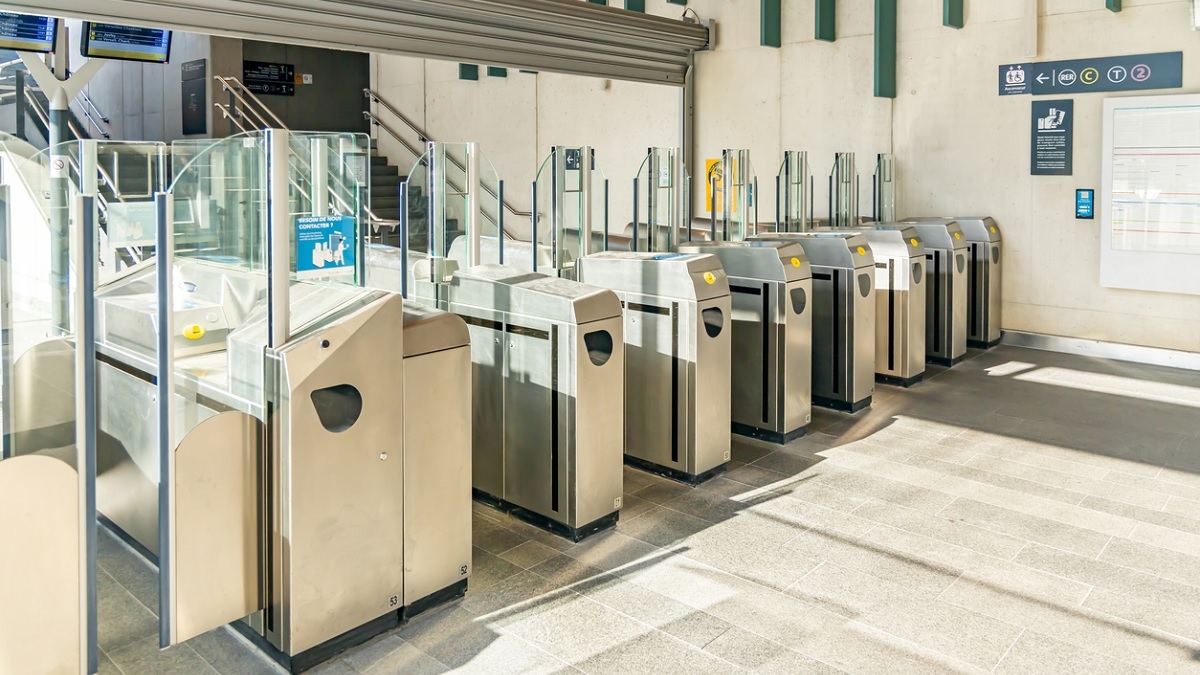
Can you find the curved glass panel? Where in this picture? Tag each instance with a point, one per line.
(735, 196)
(662, 203)
(794, 193)
(564, 210)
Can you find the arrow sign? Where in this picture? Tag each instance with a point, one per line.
(1100, 74)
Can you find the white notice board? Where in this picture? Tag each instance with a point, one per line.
(1150, 194)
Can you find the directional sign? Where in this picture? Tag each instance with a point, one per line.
(1082, 76)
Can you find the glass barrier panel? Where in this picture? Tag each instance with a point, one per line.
(794, 193)
(739, 196)
(560, 206)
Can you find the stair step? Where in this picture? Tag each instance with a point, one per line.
(377, 160)
(386, 212)
(384, 170)
(384, 199)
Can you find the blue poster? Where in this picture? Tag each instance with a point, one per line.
(325, 246)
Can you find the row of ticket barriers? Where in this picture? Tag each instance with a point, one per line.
(297, 446)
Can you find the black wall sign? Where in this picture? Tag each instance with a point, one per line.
(1081, 76)
(1051, 143)
(274, 79)
(194, 89)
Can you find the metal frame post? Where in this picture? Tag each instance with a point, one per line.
(6, 331)
(164, 246)
(319, 182)
(474, 207)
(586, 160)
(278, 238)
(84, 254)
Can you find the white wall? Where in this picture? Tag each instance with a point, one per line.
(960, 147)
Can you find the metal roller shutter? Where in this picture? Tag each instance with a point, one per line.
(565, 36)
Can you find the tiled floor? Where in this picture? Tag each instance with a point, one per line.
(1022, 512)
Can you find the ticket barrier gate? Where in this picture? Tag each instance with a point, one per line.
(770, 284)
(843, 316)
(547, 363)
(437, 455)
(677, 359)
(983, 279)
(945, 290)
(899, 303)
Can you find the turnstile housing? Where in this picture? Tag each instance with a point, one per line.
(770, 285)
(945, 290)
(983, 280)
(899, 302)
(548, 394)
(677, 358)
(437, 456)
(843, 316)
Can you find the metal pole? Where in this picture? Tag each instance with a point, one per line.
(403, 232)
(778, 227)
(473, 205)
(279, 238)
(585, 184)
(60, 251)
(500, 223)
(633, 245)
(6, 327)
(21, 105)
(319, 181)
(164, 243)
(533, 237)
(605, 214)
(85, 408)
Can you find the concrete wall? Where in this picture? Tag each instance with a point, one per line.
(959, 146)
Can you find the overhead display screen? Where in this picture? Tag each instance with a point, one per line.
(27, 33)
(126, 43)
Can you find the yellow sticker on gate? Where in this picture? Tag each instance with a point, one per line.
(914, 242)
(795, 262)
(958, 235)
(194, 331)
(862, 251)
(710, 278)
(993, 229)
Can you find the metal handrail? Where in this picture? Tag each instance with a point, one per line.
(424, 137)
(232, 84)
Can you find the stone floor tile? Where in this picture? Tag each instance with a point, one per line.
(1167, 519)
(760, 655)
(528, 554)
(612, 549)
(636, 479)
(1074, 483)
(144, 656)
(120, 619)
(394, 656)
(1036, 653)
(923, 576)
(1032, 528)
(1165, 537)
(633, 506)
(654, 652)
(1153, 559)
(521, 594)
(1106, 575)
(1008, 482)
(1162, 616)
(881, 488)
(747, 450)
(1039, 507)
(229, 654)
(127, 568)
(743, 554)
(662, 491)
(654, 609)
(494, 537)
(662, 526)
(949, 530)
(105, 666)
(757, 476)
(849, 592)
(487, 570)
(577, 630)
(958, 632)
(786, 463)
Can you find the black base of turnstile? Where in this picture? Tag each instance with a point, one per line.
(575, 534)
(982, 344)
(899, 381)
(943, 361)
(767, 435)
(692, 479)
(842, 406)
(325, 651)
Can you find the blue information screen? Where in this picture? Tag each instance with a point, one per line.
(125, 43)
(27, 33)
(1085, 204)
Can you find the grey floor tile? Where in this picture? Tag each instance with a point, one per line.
(633, 506)
(756, 476)
(337, 666)
(487, 513)
(958, 632)
(507, 654)
(718, 499)
(654, 609)
(519, 595)
(949, 530)
(494, 537)
(921, 575)
(662, 491)
(786, 463)
(881, 488)
(636, 479)
(229, 655)
(612, 549)
(127, 568)
(760, 655)
(1165, 518)
(1039, 507)
(487, 570)
(729, 548)
(1164, 537)
(468, 644)
(662, 526)
(1140, 610)
(1153, 559)
(106, 666)
(391, 655)
(816, 492)
(746, 450)
(563, 571)
(654, 652)
(1179, 506)
(1113, 577)
(577, 630)
(849, 592)
(1172, 488)
(1074, 483)
(120, 619)
(1032, 528)
(533, 533)
(1008, 482)
(1036, 653)
(144, 656)
(528, 554)
(803, 515)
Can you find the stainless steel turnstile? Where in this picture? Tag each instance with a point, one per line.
(843, 316)
(770, 284)
(945, 290)
(983, 278)
(899, 303)
(437, 455)
(677, 358)
(548, 381)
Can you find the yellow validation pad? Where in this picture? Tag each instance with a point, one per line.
(795, 262)
(958, 235)
(710, 278)
(194, 331)
(913, 241)
(862, 251)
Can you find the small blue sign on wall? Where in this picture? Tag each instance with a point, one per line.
(325, 246)
(1085, 204)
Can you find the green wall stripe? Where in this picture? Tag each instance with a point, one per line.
(598, 2)
(467, 71)
(1113, 5)
(635, 5)
(676, 2)
(770, 31)
(826, 20)
(885, 48)
(952, 13)
(493, 71)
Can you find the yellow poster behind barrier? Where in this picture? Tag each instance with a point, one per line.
(715, 180)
